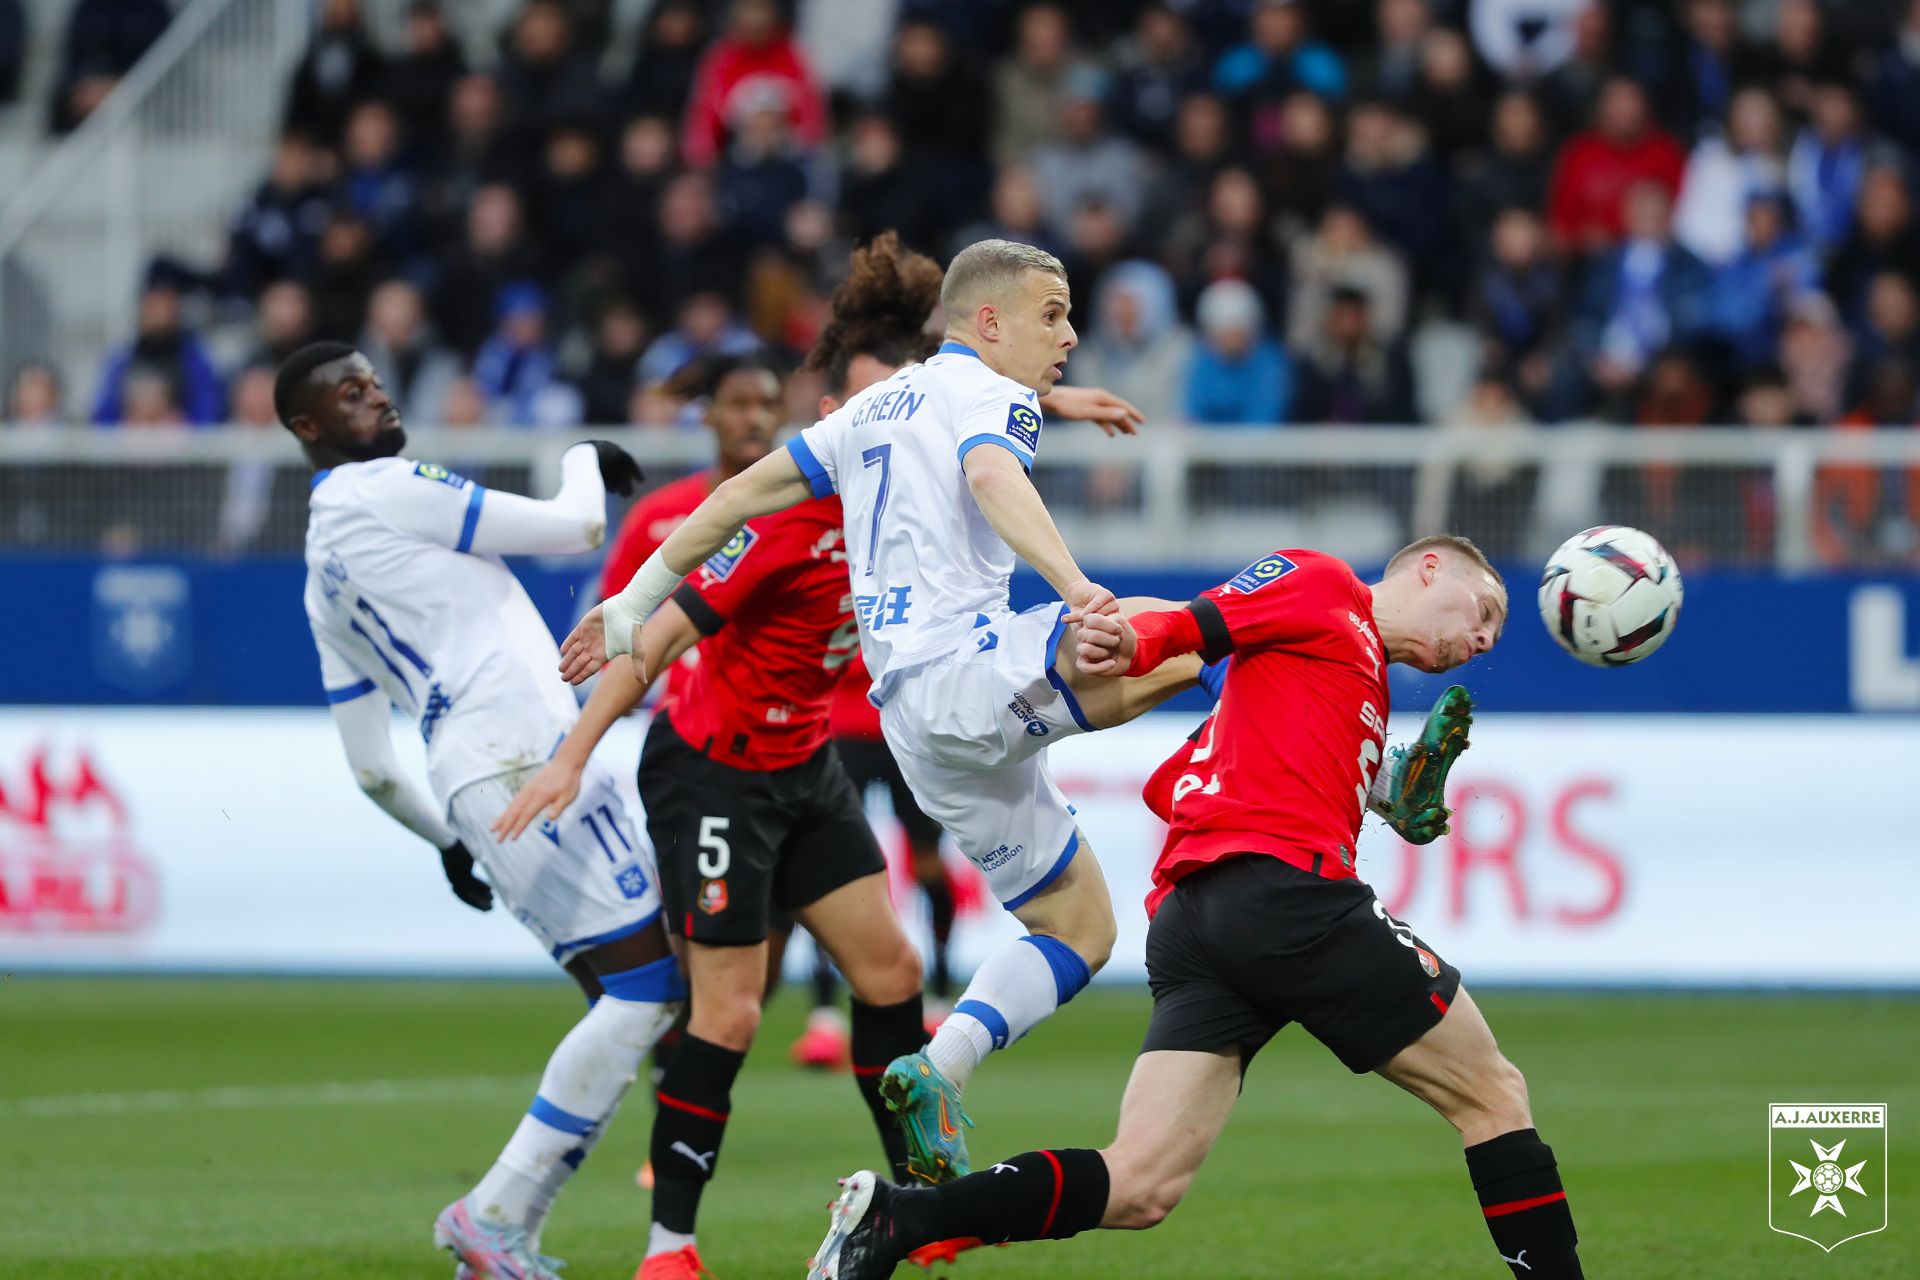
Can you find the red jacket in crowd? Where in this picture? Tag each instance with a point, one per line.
(1593, 174)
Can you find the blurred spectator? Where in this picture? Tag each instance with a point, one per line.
(1087, 162)
(350, 266)
(277, 234)
(1201, 145)
(1280, 56)
(760, 178)
(1390, 68)
(1675, 394)
(341, 68)
(1028, 82)
(475, 155)
(1814, 353)
(1490, 499)
(248, 496)
(1390, 177)
(421, 81)
(1893, 84)
(1299, 177)
(34, 399)
(628, 222)
(565, 197)
(1449, 95)
(104, 39)
(1890, 331)
(1157, 68)
(1230, 238)
(515, 368)
(1825, 167)
(1864, 515)
(1767, 401)
(607, 385)
(1525, 40)
(378, 187)
(546, 80)
(1347, 375)
(1568, 92)
(166, 375)
(284, 321)
(1137, 347)
(694, 256)
(496, 250)
(1015, 213)
(13, 49)
(1342, 253)
(946, 143)
(880, 190)
(663, 71)
(705, 326)
(1883, 239)
(1636, 301)
(1751, 294)
(1512, 173)
(1806, 55)
(1096, 240)
(1724, 172)
(1516, 302)
(1239, 376)
(464, 405)
(1595, 168)
(1714, 61)
(847, 43)
(415, 369)
(757, 52)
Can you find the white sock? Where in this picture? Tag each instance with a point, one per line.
(582, 1085)
(542, 1202)
(1018, 987)
(661, 1240)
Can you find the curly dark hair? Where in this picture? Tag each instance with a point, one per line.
(879, 310)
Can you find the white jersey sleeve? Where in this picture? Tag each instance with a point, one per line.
(994, 415)
(426, 500)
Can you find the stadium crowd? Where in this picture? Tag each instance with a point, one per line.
(1272, 211)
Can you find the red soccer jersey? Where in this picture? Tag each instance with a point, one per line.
(1283, 765)
(777, 611)
(647, 526)
(853, 715)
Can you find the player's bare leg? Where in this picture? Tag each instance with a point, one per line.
(1457, 1069)
(1175, 1106)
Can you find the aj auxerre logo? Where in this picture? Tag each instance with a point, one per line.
(1827, 1170)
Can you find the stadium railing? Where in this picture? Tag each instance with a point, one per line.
(1170, 496)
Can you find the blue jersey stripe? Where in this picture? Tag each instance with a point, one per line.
(810, 467)
(967, 445)
(472, 521)
(350, 692)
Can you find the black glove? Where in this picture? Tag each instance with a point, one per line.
(467, 887)
(618, 471)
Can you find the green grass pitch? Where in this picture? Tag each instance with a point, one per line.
(279, 1128)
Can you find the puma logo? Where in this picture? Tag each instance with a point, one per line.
(1518, 1260)
(1008, 1167)
(706, 1161)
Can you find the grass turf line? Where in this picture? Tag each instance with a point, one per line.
(1655, 1105)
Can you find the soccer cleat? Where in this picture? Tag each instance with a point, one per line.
(944, 1251)
(1410, 789)
(489, 1252)
(928, 1105)
(860, 1233)
(825, 1042)
(681, 1264)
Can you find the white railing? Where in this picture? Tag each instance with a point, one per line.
(157, 168)
(1165, 520)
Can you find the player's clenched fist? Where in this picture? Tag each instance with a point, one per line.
(1085, 598)
(585, 649)
(1106, 644)
(552, 789)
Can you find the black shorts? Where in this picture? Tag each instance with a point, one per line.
(735, 845)
(870, 760)
(1243, 947)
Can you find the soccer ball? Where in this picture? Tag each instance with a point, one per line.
(1610, 596)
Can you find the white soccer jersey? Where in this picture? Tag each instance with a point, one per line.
(925, 562)
(399, 600)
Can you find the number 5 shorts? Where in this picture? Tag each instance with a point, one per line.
(575, 883)
(734, 844)
(970, 730)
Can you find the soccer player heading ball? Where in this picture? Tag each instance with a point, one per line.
(1259, 919)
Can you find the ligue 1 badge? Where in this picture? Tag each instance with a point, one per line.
(1827, 1170)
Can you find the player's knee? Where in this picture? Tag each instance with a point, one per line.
(1096, 943)
(730, 1021)
(1506, 1095)
(893, 977)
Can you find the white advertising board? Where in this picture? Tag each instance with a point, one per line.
(1584, 850)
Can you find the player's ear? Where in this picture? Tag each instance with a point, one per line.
(827, 405)
(987, 320)
(304, 427)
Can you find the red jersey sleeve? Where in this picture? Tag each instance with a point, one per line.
(1279, 601)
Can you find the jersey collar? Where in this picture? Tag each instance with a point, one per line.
(318, 476)
(952, 348)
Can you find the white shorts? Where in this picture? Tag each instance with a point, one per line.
(969, 732)
(576, 883)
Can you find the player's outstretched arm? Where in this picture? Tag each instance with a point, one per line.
(1012, 505)
(1092, 404)
(572, 521)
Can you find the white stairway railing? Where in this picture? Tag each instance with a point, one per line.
(158, 168)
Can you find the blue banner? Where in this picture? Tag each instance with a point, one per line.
(85, 631)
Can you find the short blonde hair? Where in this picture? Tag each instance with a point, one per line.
(1445, 542)
(986, 269)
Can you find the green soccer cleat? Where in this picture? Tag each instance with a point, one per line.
(928, 1105)
(1410, 789)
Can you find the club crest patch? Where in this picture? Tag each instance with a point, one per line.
(434, 471)
(1261, 572)
(1023, 425)
(713, 896)
(722, 565)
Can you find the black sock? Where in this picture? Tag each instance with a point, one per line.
(880, 1034)
(940, 908)
(1041, 1195)
(1519, 1188)
(695, 1096)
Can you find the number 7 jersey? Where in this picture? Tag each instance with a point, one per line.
(925, 563)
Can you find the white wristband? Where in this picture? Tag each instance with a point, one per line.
(622, 613)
